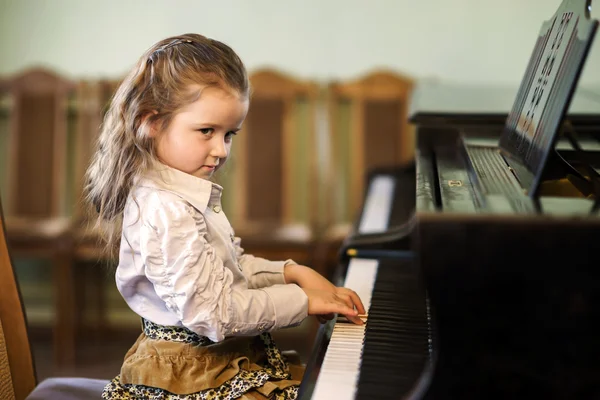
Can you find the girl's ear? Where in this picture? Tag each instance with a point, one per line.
(152, 125)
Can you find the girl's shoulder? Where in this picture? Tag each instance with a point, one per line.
(150, 200)
(162, 210)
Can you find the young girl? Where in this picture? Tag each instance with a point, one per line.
(206, 307)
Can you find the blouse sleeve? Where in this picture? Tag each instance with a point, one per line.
(260, 272)
(196, 286)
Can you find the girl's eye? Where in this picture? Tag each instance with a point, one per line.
(205, 131)
(230, 135)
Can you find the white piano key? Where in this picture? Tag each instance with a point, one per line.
(341, 365)
(378, 205)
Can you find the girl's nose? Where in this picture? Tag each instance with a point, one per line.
(219, 148)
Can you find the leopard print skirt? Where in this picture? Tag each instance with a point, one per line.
(174, 363)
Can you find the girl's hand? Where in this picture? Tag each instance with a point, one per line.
(308, 278)
(323, 303)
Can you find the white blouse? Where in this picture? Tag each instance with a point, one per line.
(180, 263)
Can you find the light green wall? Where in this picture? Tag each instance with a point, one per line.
(453, 40)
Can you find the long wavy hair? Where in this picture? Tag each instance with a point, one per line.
(152, 93)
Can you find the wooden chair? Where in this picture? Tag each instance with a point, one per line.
(369, 128)
(17, 371)
(38, 217)
(269, 185)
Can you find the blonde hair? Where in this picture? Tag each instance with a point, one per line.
(152, 93)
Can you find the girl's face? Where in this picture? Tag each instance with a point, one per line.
(198, 139)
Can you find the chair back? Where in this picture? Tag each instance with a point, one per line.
(36, 147)
(16, 361)
(270, 179)
(369, 128)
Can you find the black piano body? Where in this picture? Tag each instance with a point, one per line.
(493, 284)
(511, 297)
(513, 292)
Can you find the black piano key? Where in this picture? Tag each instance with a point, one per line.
(397, 334)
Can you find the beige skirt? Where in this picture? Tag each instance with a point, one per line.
(174, 363)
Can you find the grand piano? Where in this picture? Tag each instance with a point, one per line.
(467, 298)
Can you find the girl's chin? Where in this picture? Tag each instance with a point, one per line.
(204, 173)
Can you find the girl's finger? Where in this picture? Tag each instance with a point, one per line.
(355, 319)
(345, 310)
(346, 299)
(356, 301)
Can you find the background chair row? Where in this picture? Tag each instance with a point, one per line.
(292, 188)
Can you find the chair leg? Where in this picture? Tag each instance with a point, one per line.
(101, 307)
(79, 291)
(65, 317)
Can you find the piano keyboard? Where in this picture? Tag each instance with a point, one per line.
(388, 354)
(341, 365)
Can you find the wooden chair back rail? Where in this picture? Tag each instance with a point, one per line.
(88, 123)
